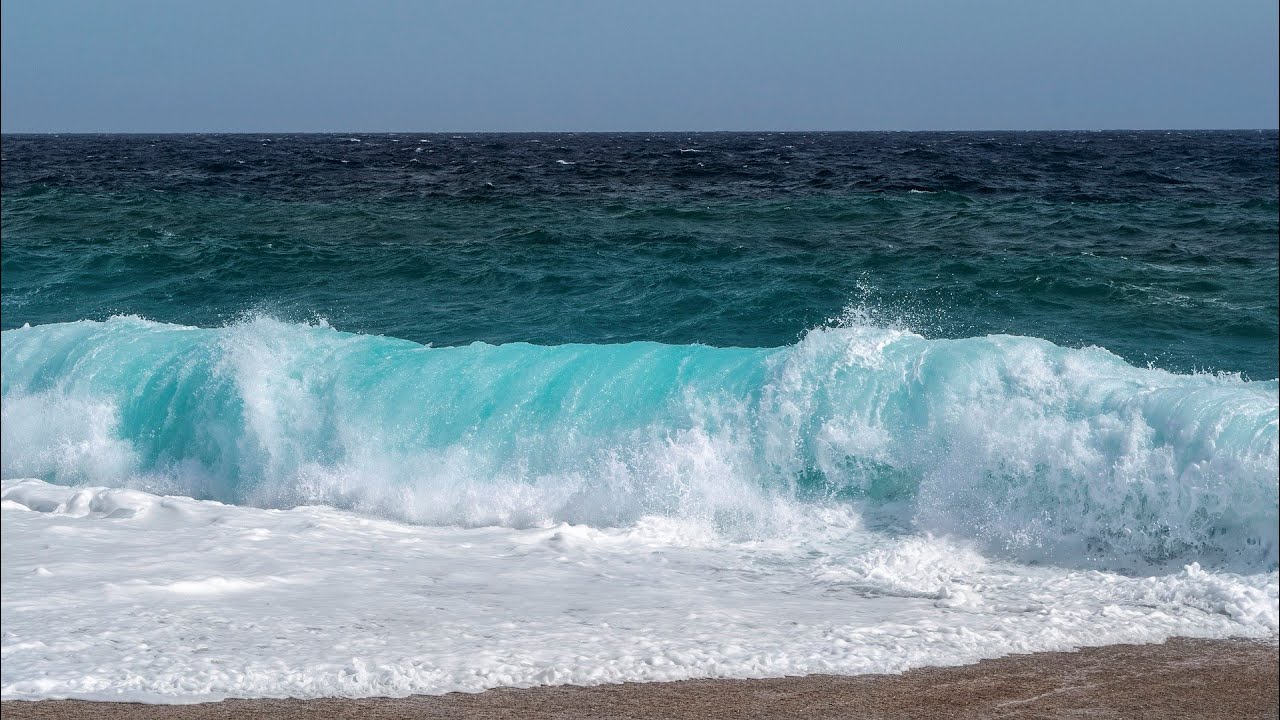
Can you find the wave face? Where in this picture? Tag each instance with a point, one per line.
(1035, 451)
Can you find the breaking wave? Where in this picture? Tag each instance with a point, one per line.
(1028, 449)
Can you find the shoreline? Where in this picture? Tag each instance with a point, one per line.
(1179, 678)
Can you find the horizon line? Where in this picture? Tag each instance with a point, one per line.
(626, 132)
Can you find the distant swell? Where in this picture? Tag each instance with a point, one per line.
(1029, 449)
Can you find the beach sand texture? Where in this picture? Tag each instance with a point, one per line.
(1180, 678)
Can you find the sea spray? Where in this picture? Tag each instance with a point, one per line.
(1034, 451)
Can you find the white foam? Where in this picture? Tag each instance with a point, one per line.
(52, 434)
(119, 594)
(1039, 452)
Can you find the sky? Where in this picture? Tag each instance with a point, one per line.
(643, 65)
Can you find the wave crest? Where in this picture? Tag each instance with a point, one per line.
(1037, 451)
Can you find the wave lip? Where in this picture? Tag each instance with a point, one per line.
(1031, 450)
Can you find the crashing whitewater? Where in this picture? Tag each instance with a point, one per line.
(271, 509)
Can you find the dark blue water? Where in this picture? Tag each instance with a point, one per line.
(1160, 247)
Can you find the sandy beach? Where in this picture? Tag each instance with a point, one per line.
(1181, 678)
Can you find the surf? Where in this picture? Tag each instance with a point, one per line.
(1027, 449)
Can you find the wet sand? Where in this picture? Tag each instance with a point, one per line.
(1181, 678)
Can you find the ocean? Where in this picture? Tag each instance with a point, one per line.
(381, 414)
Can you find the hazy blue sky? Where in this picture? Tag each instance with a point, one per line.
(230, 65)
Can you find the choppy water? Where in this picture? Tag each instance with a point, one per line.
(1160, 247)
(594, 408)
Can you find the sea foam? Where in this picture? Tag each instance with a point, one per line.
(1035, 451)
(121, 595)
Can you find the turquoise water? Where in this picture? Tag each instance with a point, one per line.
(1035, 449)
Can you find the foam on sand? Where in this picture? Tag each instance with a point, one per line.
(123, 595)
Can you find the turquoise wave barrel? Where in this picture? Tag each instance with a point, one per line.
(1041, 452)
